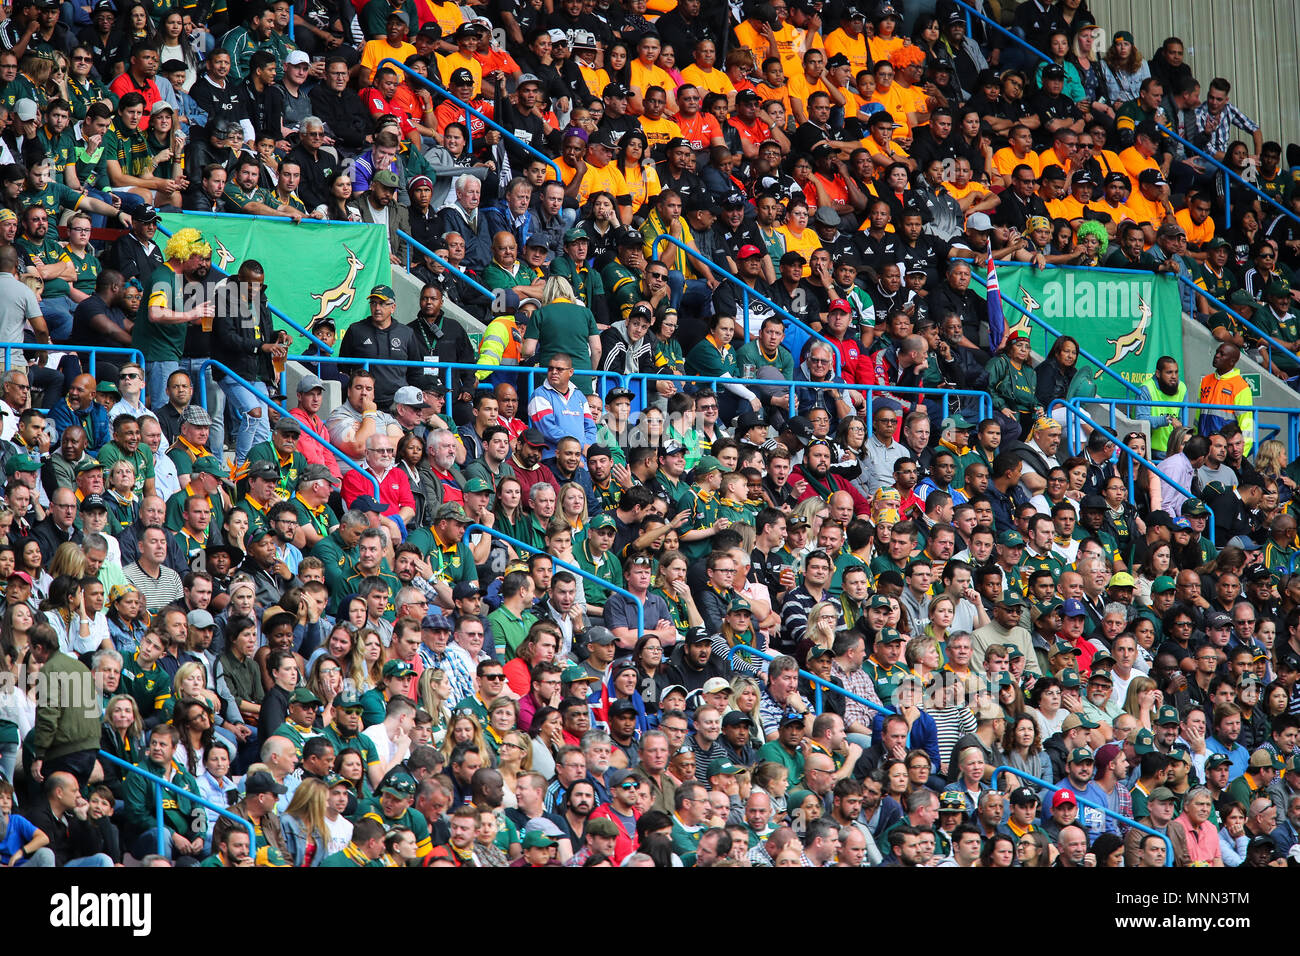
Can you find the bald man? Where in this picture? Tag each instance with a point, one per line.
(79, 407)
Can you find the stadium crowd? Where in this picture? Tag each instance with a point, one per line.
(359, 629)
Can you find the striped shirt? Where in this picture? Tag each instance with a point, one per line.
(158, 592)
(1218, 137)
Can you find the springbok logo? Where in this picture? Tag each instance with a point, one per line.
(224, 256)
(341, 295)
(1131, 343)
(1028, 301)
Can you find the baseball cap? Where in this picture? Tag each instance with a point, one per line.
(200, 618)
(260, 781)
(461, 77)
(1163, 584)
(1011, 539)
(599, 635)
(25, 109)
(1167, 715)
(750, 251)
(410, 395)
(398, 668)
(400, 784)
(1161, 793)
(978, 222)
(1075, 721)
(1074, 608)
(950, 801)
(839, 305)
(1151, 177)
(1121, 579)
(304, 695)
(734, 718)
(622, 707)
(451, 511)
(1024, 797)
(1080, 754)
(315, 473)
(1062, 797)
(287, 425)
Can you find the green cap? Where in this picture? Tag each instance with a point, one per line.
(1004, 679)
(89, 464)
(576, 234)
(1179, 754)
(738, 604)
(347, 698)
(1075, 721)
(478, 485)
(1064, 647)
(304, 695)
(1011, 539)
(1163, 584)
(602, 521)
(1217, 760)
(208, 465)
(1162, 793)
(1277, 287)
(535, 839)
(398, 669)
(707, 464)
(1080, 754)
(451, 511)
(1218, 242)
(1011, 599)
(722, 765)
(958, 422)
(336, 780)
(384, 293)
(1144, 742)
(1167, 715)
(17, 463)
(575, 672)
(1069, 678)
(107, 388)
(888, 635)
(400, 784)
(1051, 606)
(1195, 508)
(879, 600)
(1014, 653)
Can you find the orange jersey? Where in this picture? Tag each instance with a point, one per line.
(854, 48)
(1005, 161)
(1196, 235)
(714, 81)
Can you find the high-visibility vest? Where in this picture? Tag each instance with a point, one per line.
(1160, 436)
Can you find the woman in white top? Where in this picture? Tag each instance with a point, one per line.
(1046, 706)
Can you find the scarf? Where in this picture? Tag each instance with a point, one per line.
(824, 489)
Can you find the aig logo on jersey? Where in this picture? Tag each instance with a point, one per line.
(78, 910)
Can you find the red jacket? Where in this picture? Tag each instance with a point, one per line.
(861, 505)
(312, 450)
(626, 843)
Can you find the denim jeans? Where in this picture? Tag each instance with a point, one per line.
(57, 310)
(216, 399)
(249, 429)
(44, 858)
(147, 843)
(690, 295)
(156, 386)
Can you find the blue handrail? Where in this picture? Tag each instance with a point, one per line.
(464, 276)
(1169, 845)
(263, 400)
(1185, 409)
(817, 682)
(983, 398)
(1249, 185)
(92, 350)
(1072, 408)
(746, 292)
(1273, 343)
(425, 81)
(274, 311)
(1129, 386)
(571, 568)
(971, 11)
(159, 785)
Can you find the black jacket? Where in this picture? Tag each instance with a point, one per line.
(315, 171)
(70, 838)
(344, 114)
(1231, 518)
(219, 102)
(680, 671)
(49, 537)
(364, 340)
(445, 340)
(238, 337)
(128, 257)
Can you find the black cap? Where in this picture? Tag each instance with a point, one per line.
(630, 237)
(461, 76)
(1053, 71)
(1094, 502)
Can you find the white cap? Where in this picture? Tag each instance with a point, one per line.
(297, 58)
(410, 395)
(979, 221)
(25, 110)
(558, 36)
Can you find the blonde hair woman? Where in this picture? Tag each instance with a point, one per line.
(464, 728)
(191, 681)
(432, 691)
(516, 759)
(745, 695)
(573, 509)
(1143, 701)
(823, 618)
(306, 832)
(372, 655)
(69, 559)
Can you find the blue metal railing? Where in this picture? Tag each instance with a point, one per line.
(571, 568)
(746, 292)
(159, 785)
(263, 400)
(464, 276)
(1169, 845)
(274, 311)
(1269, 340)
(1073, 440)
(1184, 412)
(817, 682)
(1227, 208)
(425, 81)
(1096, 362)
(972, 12)
(133, 355)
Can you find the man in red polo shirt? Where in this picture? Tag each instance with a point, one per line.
(140, 76)
(394, 487)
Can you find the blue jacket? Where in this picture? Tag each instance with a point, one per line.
(93, 419)
(580, 477)
(924, 735)
(556, 417)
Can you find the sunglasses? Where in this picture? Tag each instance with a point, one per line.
(629, 785)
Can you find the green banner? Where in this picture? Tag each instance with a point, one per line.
(314, 270)
(1125, 322)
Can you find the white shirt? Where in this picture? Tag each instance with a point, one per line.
(165, 480)
(138, 410)
(383, 746)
